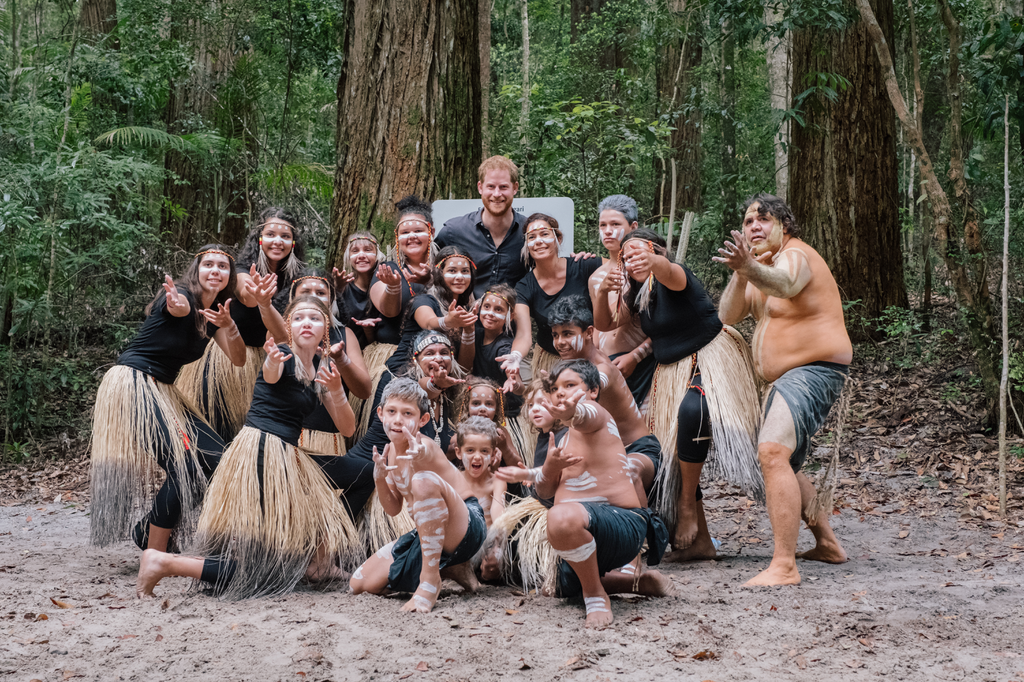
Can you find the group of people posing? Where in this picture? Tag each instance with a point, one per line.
(467, 404)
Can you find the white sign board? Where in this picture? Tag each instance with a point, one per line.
(559, 208)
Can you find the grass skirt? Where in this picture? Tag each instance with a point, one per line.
(521, 535)
(727, 375)
(128, 438)
(322, 442)
(374, 355)
(270, 529)
(221, 391)
(523, 435)
(377, 528)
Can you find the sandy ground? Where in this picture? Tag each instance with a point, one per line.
(925, 596)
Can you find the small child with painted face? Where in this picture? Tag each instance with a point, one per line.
(597, 524)
(483, 398)
(572, 330)
(477, 448)
(450, 525)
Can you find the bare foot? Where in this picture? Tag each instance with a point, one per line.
(149, 573)
(464, 575)
(686, 530)
(424, 598)
(324, 572)
(775, 575)
(829, 552)
(703, 548)
(599, 611)
(654, 584)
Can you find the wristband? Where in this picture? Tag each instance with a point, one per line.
(468, 336)
(442, 324)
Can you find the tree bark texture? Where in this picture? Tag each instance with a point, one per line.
(98, 19)
(727, 92)
(581, 12)
(484, 21)
(409, 109)
(844, 170)
(679, 91)
(209, 203)
(780, 79)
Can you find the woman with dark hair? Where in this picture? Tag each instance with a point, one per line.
(352, 283)
(446, 306)
(270, 258)
(141, 422)
(550, 278)
(393, 287)
(432, 364)
(271, 516)
(703, 388)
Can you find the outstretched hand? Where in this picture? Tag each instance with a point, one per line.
(516, 474)
(738, 256)
(419, 274)
(560, 459)
(440, 377)
(221, 317)
(342, 278)
(262, 288)
(275, 356)
(565, 409)
(177, 304)
(510, 362)
(513, 383)
(459, 317)
(328, 376)
(368, 322)
(389, 276)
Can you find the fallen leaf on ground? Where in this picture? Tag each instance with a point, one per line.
(904, 533)
(127, 636)
(510, 612)
(159, 638)
(801, 662)
(422, 666)
(60, 604)
(165, 604)
(523, 665)
(854, 664)
(706, 655)
(42, 616)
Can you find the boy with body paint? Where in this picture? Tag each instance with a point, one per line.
(596, 524)
(477, 448)
(572, 328)
(450, 526)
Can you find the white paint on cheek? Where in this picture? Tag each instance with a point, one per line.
(577, 343)
(618, 232)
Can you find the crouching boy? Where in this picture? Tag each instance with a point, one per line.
(450, 526)
(596, 525)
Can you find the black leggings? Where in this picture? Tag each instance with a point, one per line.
(351, 474)
(208, 447)
(694, 422)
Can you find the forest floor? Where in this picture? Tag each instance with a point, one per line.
(933, 589)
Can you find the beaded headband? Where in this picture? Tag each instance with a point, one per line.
(322, 279)
(430, 340)
(367, 238)
(223, 253)
(440, 263)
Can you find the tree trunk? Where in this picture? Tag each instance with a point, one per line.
(12, 83)
(948, 245)
(581, 12)
(484, 19)
(1004, 374)
(780, 78)
(409, 103)
(727, 91)
(98, 19)
(844, 171)
(202, 204)
(524, 120)
(934, 125)
(679, 96)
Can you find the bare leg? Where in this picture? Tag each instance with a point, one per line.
(322, 567)
(702, 548)
(567, 532)
(442, 519)
(464, 575)
(159, 538)
(625, 580)
(827, 547)
(784, 509)
(156, 565)
(692, 540)
(372, 576)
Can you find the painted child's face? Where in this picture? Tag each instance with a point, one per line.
(538, 414)
(569, 340)
(277, 239)
(457, 274)
(493, 312)
(568, 383)
(307, 326)
(397, 414)
(483, 402)
(477, 455)
(314, 287)
(214, 272)
(362, 254)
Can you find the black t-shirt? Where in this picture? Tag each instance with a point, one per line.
(320, 419)
(166, 343)
(249, 321)
(355, 303)
(410, 329)
(485, 365)
(528, 291)
(502, 264)
(280, 408)
(389, 329)
(680, 323)
(375, 436)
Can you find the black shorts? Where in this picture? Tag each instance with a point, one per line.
(404, 574)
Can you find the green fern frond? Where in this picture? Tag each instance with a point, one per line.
(315, 178)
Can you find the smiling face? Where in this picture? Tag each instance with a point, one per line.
(482, 402)
(314, 287)
(277, 239)
(457, 274)
(538, 414)
(493, 312)
(397, 413)
(308, 326)
(497, 191)
(434, 356)
(362, 254)
(413, 238)
(763, 233)
(214, 272)
(477, 454)
(613, 227)
(568, 383)
(569, 340)
(541, 240)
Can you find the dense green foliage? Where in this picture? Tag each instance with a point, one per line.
(99, 133)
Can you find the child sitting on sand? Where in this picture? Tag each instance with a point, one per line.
(450, 525)
(476, 446)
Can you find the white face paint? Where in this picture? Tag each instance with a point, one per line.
(577, 343)
(539, 233)
(214, 272)
(314, 287)
(418, 234)
(307, 325)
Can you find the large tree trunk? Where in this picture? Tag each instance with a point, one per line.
(780, 75)
(581, 12)
(484, 20)
(844, 171)
(409, 105)
(679, 91)
(203, 204)
(727, 92)
(98, 18)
